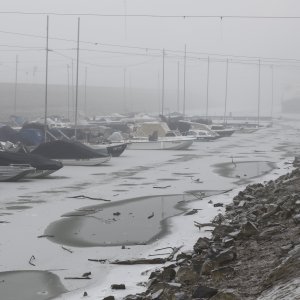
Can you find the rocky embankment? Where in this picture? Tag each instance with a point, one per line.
(254, 251)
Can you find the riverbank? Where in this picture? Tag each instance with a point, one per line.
(253, 252)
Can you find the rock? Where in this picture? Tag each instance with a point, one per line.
(218, 204)
(248, 229)
(85, 294)
(197, 263)
(118, 286)
(207, 267)
(226, 256)
(226, 295)
(184, 255)
(221, 273)
(109, 298)
(296, 219)
(248, 197)
(227, 242)
(180, 296)
(222, 230)
(157, 294)
(168, 274)
(269, 232)
(201, 244)
(187, 276)
(204, 292)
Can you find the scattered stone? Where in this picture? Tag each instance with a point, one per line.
(85, 294)
(118, 286)
(218, 204)
(204, 292)
(185, 275)
(111, 298)
(201, 244)
(226, 295)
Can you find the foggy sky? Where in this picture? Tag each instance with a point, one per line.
(137, 68)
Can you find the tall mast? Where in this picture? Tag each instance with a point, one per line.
(178, 89)
(258, 98)
(184, 80)
(207, 89)
(16, 86)
(46, 83)
(124, 91)
(163, 84)
(77, 69)
(85, 104)
(272, 92)
(226, 92)
(68, 72)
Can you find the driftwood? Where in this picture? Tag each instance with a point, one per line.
(91, 198)
(98, 260)
(31, 259)
(200, 225)
(161, 187)
(45, 236)
(150, 261)
(64, 248)
(78, 277)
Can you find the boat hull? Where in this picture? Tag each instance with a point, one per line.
(85, 162)
(160, 145)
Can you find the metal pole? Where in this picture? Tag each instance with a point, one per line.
(226, 91)
(272, 68)
(85, 104)
(178, 90)
(16, 86)
(46, 87)
(184, 79)
(258, 100)
(124, 90)
(77, 69)
(163, 84)
(68, 71)
(207, 88)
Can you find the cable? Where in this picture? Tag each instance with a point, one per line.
(151, 15)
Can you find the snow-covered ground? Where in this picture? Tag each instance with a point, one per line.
(28, 207)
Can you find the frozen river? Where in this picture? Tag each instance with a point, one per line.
(46, 226)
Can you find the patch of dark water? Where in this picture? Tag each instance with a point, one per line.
(129, 222)
(244, 169)
(18, 207)
(30, 285)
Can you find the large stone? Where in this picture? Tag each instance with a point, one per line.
(226, 295)
(204, 292)
(202, 244)
(168, 274)
(221, 273)
(248, 229)
(186, 276)
(226, 256)
(207, 267)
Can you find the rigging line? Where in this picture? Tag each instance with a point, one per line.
(151, 15)
(147, 48)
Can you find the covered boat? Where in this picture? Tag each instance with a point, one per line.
(42, 165)
(15, 172)
(113, 149)
(71, 153)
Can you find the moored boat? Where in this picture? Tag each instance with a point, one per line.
(15, 172)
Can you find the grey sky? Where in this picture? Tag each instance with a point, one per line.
(266, 38)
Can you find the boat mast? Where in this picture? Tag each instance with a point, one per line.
(207, 88)
(16, 85)
(178, 90)
(46, 83)
(124, 90)
(272, 92)
(226, 92)
(85, 106)
(258, 100)
(163, 84)
(77, 68)
(68, 72)
(184, 80)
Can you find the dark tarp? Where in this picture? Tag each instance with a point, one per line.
(36, 161)
(8, 134)
(67, 150)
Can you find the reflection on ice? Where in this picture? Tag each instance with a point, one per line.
(244, 169)
(30, 285)
(130, 222)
